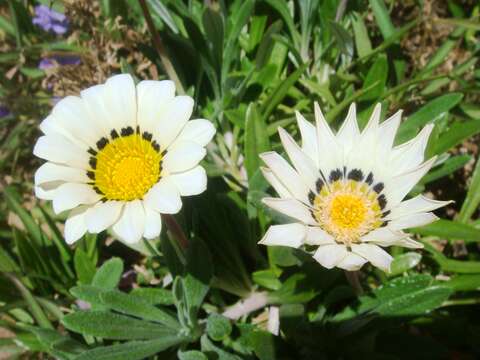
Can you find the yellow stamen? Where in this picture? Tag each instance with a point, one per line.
(347, 211)
(126, 168)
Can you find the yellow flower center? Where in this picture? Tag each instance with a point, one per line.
(126, 167)
(347, 209)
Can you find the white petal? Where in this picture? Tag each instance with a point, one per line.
(302, 163)
(75, 226)
(53, 172)
(183, 156)
(352, 262)
(400, 186)
(330, 152)
(191, 182)
(173, 119)
(98, 113)
(291, 207)
(408, 243)
(309, 137)
(373, 253)
(412, 220)
(275, 182)
(163, 197)
(291, 235)
(287, 175)
(47, 191)
(129, 228)
(415, 205)
(70, 195)
(153, 98)
(153, 224)
(316, 236)
(103, 215)
(407, 156)
(120, 99)
(349, 132)
(57, 148)
(199, 131)
(384, 236)
(386, 135)
(330, 255)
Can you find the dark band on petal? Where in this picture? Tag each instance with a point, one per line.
(311, 197)
(114, 134)
(126, 131)
(382, 201)
(91, 175)
(102, 143)
(147, 136)
(369, 179)
(355, 174)
(378, 188)
(93, 162)
(91, 151)
(335, 175)
(155, 146)
(319, 184)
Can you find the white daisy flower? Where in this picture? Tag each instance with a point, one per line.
(119, 156)
(345, 191)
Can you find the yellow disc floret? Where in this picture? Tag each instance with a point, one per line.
(347, 211)
(126, 167)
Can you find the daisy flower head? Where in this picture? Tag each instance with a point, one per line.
(119, 155)
(346, 191)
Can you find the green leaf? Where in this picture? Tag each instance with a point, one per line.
(451, 230)
(131, 305)
(160, 10)
(376, 79)
(362, 41)
(296, 289)
(458, 132)
(256, 139)
(88, 293)
(210, 347)
(266, 45)
(343, 38)
(218, 327)
(84, 266)
(456, 266)
(109, 274)
(267, 278)
(114, 326)
(469, 282)
(448, 167)
(132, 350)
(153, 296)
(7, 264)
(191, 355)
(213, 25)
(428, 113)
(472, 200)
(383, 18)
(404, 262)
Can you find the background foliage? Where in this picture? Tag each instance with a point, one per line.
(249, 65)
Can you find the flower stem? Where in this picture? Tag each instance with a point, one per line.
(354, 281)
(157, 42)
(176, 230)
(255, 301)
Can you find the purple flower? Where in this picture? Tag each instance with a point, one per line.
(49, 62)
(50, 20)
(4, 111)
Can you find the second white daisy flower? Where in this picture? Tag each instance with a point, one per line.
(345, 191)
(119, 156)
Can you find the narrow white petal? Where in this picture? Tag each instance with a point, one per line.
(302, 163)
(153, 98)
(385, 235)
(129, 228)
(290, 179)
(309, 137)
(276, 183)
(103, 215)
(330, 255)
(316, 236)
(57, 148)
(97, 111)
(349, 133)
(75, 226)
(53, 172)
(164, 197)
(376, 255)
(291, 235)
(47, 191)
(412, 220)
(120, 99)
(407, 156)
(173, 119)
(330, 152)
(183, 156)
(386, 135)
(291, 207)
(153, 224)
(408, 243)
(191, 182)
(401, 185)
(415, 205)
(352, 262)
(199, 131)
(70, 195)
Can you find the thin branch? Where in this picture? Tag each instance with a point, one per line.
(176, 230)
(354, 281)
(256, 301)
(167, 64)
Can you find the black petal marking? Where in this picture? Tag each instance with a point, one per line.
(97, 190)
(355, 174)
(147, 136)
(137, 130)
(102, 143)
(91, 175)
(91, 151)
(369, 179)
(114, 134)
(386, 213)
(385, 223)
(344, 171)
(93, 162)
(382, 201)
(378, 188)
(163, 153)
(319, 185)
(156, 146)
(335, 175)
(126, 131)
(311, 196)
